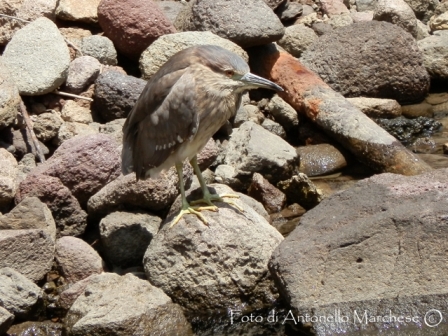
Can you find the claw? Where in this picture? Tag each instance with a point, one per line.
(209, 198)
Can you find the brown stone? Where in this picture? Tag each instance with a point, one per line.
(272, 199)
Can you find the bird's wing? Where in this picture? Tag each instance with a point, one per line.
(163, 117)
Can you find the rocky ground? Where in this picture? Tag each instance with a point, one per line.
(326, 226)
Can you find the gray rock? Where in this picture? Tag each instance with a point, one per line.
(78, 11)
(28, 10)
(254, 23)
(214, 266)
(142, 309)
(69, 296)
(333, 7)
(283, 113)
(8, 177)
(6, 319)
(274, 128)
(264, 153)
(18, 294)
(207, 156)
(82, 72)
(376, 107)
(150, 194)
(340, 20)
(422, 31)
(72, 112)
(99, 47)
(21, 143)
(301, 190)
(297, 38)
(30, 251)
(391, 63)
(320, 159)
(31, 213)
(71, 129)
(125, 237)
(115, 129)
(37, 328)
(46, 125)
(171, 9)
(363, 16)
(246, 113)
(37, 58)
(227, 175)
(374, 247)
(397, 12)
(273, 4)
(9, 98)
(365, 5)
(405, 130)
(289, 11)
(75, 35)
(435, 55)
(423, 9)
(166, 46)
(115, 94)
(76, 259)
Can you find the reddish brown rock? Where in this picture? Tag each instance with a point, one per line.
(84, 164)
(77, 259)
(320, 159)
(69, 217)
(272, 199)
(133, 24)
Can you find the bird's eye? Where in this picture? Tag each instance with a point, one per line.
(229, 73)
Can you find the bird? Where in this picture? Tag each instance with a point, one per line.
(181, 107)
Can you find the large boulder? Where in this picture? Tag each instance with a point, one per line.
(215, 266)
(37, 57)
(122, 306)
(252, 23)
(133, 24)
(381, 251)
(166, 46)
(371, 59)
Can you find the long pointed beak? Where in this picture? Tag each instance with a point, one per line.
(259, 82)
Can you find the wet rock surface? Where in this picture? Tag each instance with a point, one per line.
(406, 129)
(320, 159)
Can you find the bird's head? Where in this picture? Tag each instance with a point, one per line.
(232, 71)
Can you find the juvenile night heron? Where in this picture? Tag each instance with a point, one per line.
(191, 96)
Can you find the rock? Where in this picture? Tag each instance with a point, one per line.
(18, 294)
(142, 309)
(9, 97)
(274, 128)
(6, 319)
(320, 28)
(321, 159)
(341, 20)
(272, 199)
(36, 328)
(84, 164)
(69, 296)
(70, 219)
(133, 24)
(297, 38)
(72, 112)
(286, 220)
(423, 9)
(27, 164)
(445, 148)
(78, 11)
(30, 251)
(283, 113)
(171, 9)
(391, 64)
(248, 113)
(150, 194)
(99, 47)
(30, 213)
(437, 98)
(208, 154)
(82, 72)
(264, 153)
(435, 55)
(28, 10)
(21, 141)
(8, 177)
(115, 94)
(75, 35)
(397, 12)
(301, 190)
(363, 248)
(333, 7)
(405, 129)
(254, 23)
(273, 4)
(423, 145)
(215, 266)
(46, 125)
(227, 175)
(37, 58)
(362, 16)
(166, 46)
(422, 31)
(115, 129)
(76, 259)
(418, 110)
(365, 5)
(125, 237)
(289, 11)
(69, 130)
(376, 107)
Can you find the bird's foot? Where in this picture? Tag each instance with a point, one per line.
(195, 211)
(209, 198)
